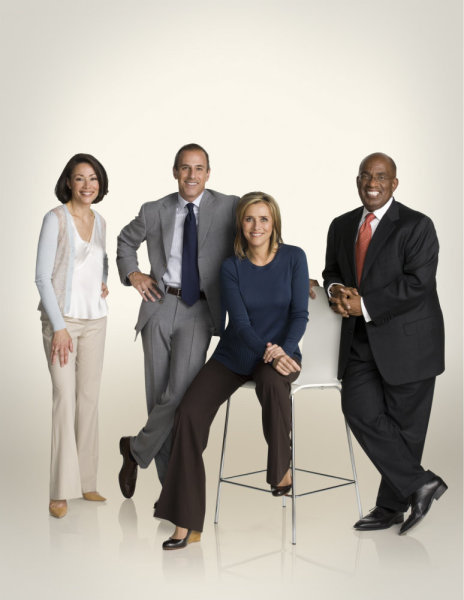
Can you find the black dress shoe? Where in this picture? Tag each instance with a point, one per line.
(128, 472)
(173, 544)
(421, 501)
(379, 518)
(280, 490)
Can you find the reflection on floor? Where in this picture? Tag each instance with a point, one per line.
(113, 550)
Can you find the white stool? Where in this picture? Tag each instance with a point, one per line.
(319, 370)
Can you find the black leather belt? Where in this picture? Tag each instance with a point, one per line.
(178, 292)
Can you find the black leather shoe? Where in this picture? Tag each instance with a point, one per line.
(128, 472)
(379, 518)
(173, 544)
(421, 501)
(280, 490)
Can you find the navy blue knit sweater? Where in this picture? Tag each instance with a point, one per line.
(264, 304)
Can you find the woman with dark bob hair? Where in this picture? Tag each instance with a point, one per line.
(264, 290)
(71, 275)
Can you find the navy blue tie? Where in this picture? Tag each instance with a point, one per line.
(190, 283)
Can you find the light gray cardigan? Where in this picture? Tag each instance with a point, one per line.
(55, 262)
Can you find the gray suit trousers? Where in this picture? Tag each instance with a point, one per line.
(175, 341)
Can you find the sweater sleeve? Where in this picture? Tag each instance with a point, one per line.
(238, 315)
(46, 253)
(298, 314)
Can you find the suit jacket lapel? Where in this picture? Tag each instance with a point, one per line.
(350, 239)
(384, 229)
(168, 219)
(205, 216)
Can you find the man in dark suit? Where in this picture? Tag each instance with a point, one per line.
(380, 269)
(188, 234)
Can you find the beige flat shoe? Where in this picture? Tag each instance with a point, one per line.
(58, 508)
(93, 497)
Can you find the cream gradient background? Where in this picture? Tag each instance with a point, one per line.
(287, 97)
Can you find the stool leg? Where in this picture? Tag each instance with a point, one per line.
(353, 467)
(293, 474)
(221, 467)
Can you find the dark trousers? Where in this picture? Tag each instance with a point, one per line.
(390, 423)
(183, 497)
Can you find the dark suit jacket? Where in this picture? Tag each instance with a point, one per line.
(155, 225)
(406, 334)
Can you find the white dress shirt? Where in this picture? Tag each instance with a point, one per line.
(173, 275)
(379, 213)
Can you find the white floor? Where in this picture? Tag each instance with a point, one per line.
(113, 550)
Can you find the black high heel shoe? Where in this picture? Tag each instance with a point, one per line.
(174, 544)
(280, 490)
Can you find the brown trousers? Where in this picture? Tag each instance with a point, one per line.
(183, 497)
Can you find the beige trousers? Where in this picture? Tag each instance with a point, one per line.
(76, 386)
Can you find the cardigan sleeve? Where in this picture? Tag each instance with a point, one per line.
(46, 253)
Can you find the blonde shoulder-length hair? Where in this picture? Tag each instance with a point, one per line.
(240, 244)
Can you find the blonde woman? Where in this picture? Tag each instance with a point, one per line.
(264, 289)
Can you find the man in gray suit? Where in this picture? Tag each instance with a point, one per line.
(188, 235)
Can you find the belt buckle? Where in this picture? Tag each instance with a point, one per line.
(174, 291)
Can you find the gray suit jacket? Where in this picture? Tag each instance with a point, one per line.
(155, 225)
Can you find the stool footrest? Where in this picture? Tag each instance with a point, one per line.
(345, 480)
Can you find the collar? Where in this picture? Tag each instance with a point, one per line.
(181, 203)
(379, 213)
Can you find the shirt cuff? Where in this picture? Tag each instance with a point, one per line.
(330, 287)
(366, 315)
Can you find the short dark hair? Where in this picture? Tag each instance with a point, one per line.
(189, 148)
(62, 190)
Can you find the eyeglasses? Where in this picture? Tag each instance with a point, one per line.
(367, 177)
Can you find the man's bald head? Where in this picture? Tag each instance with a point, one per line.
(382, 156)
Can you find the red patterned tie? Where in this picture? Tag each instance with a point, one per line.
(362, 243)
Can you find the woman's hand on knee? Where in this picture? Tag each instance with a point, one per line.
(61, 347)
(285, 365)
(272, 351)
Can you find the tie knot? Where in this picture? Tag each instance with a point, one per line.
(369, 217)
(190, 208)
